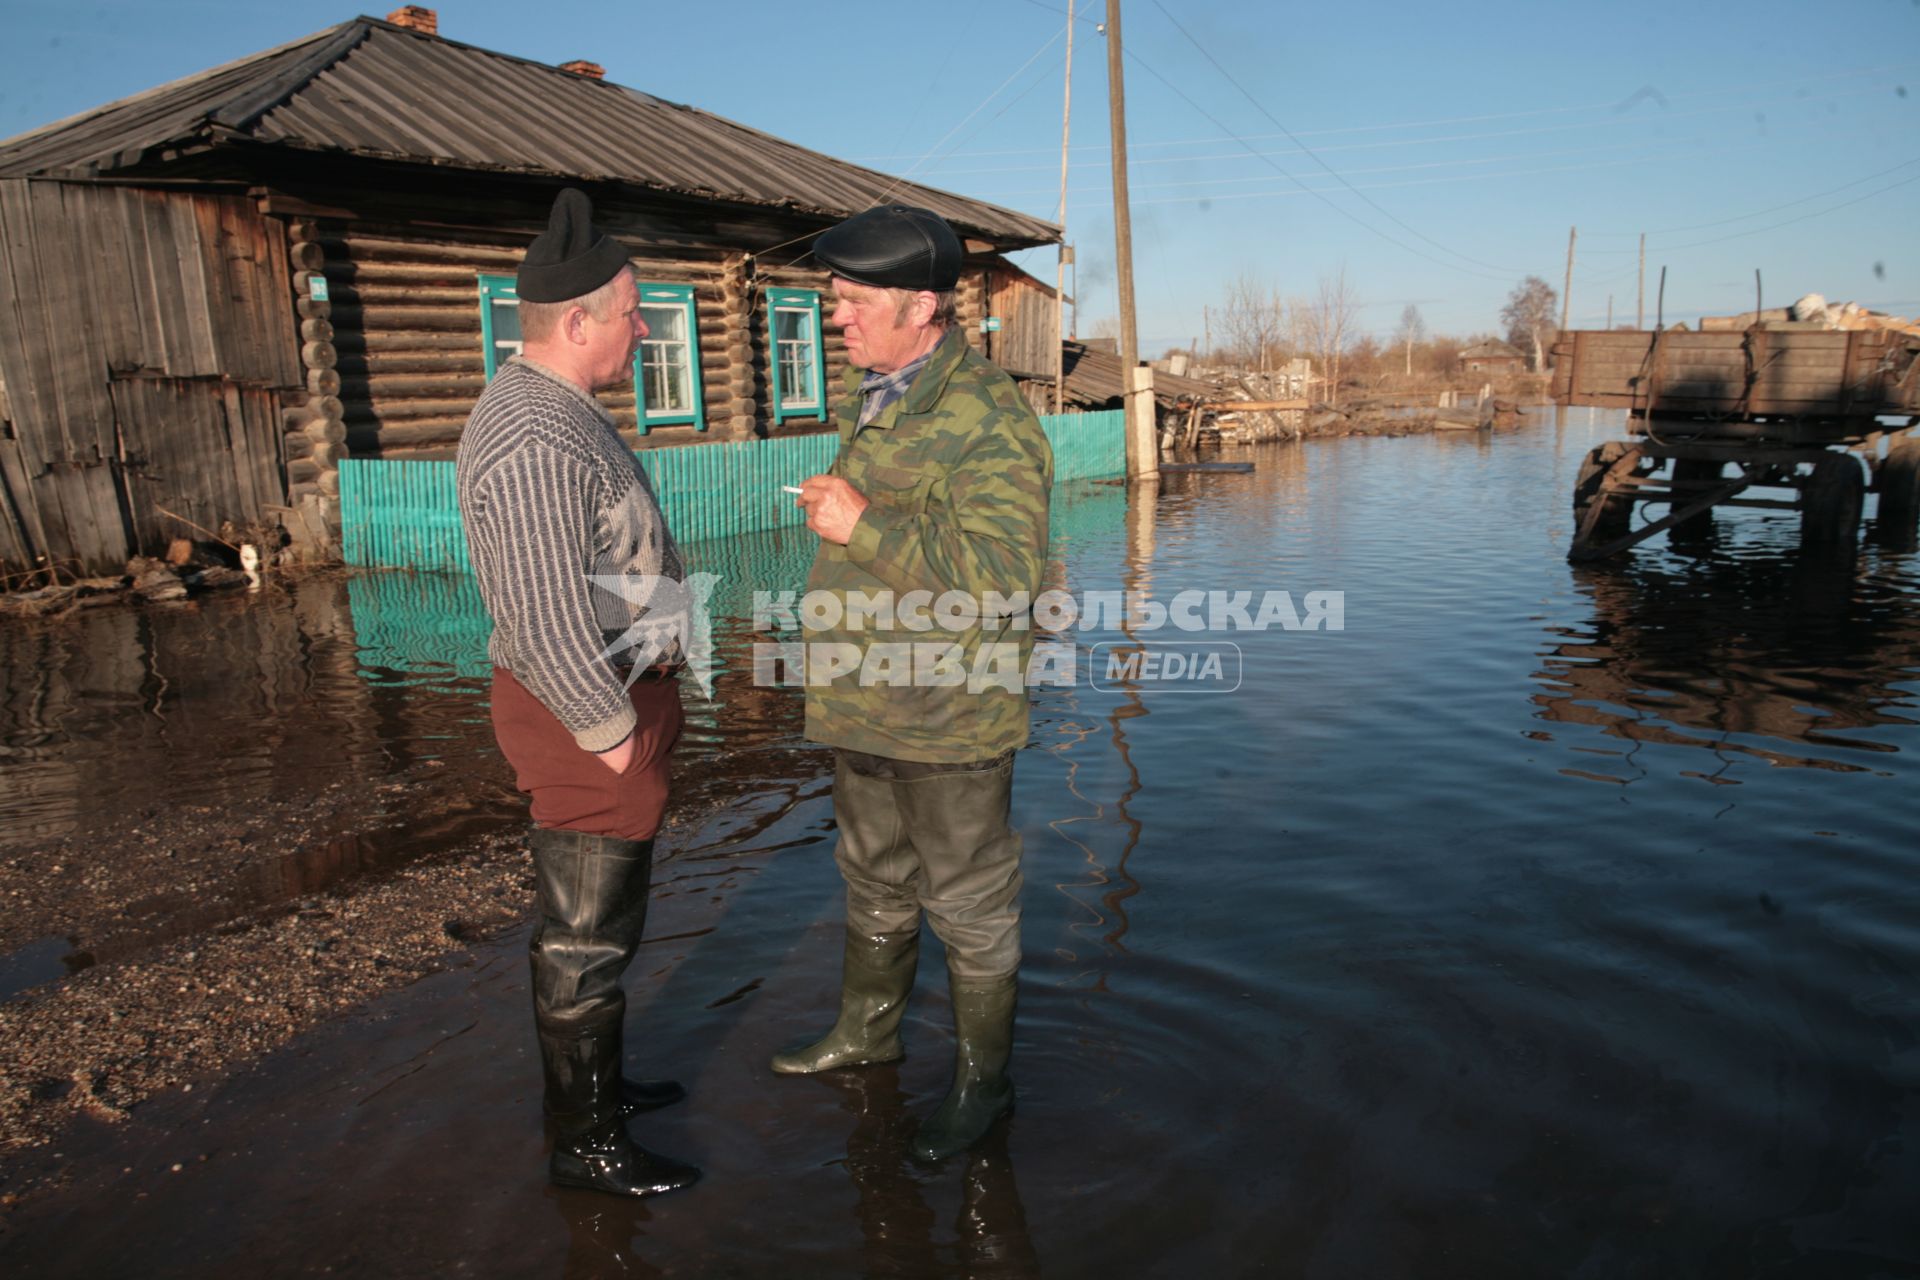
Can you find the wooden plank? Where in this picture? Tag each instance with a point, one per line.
(21, 536)
(235, 320)
(277, 301)
(263, 482)
(146, 457)
(62, 237)
(114, 302)
(25, 362)
(196, 283)
(98, 533)
(171, 332)
(257, 333)
(142, 298)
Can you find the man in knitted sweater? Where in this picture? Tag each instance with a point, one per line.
(554, 503)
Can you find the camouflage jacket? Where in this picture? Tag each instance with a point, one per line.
(956, 474)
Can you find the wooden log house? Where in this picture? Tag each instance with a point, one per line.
(214, 291)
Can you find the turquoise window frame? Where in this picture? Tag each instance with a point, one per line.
(494, 289)
(671, 295)
(807, 301)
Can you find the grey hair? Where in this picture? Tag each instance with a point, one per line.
(538, 320)
(946, 306)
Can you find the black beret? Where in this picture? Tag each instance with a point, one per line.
(569, 259)
(893, 246)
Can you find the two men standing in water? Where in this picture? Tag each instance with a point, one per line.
(940, 484)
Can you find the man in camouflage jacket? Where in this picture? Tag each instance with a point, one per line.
(933, 527)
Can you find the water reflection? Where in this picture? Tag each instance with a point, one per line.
(1436, 1003)
(897, 1225)
(121, 711)
(1772, 658)
(604, 1236)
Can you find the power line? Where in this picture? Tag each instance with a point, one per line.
(1371, 203)
(983, 103)
(903, 178)
(1611, 105)
(1760, 213)
(1302, 189)
(1318, 195)
(1818, 213)
(1427, 141)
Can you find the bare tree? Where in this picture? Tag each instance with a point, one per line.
(1328, 318)
(1412, 329)
(1529, 317)
(1253, 319)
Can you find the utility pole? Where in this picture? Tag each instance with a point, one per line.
(1143, 447)
(1640, 305)
(1566, 295)
(1609, 313)
(1060, 268)
(1206, 323)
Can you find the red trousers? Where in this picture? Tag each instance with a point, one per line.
(570, 788)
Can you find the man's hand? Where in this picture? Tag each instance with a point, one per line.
(833, 507)
(619, 758)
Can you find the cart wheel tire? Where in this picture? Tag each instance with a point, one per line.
(1617, 518)
(1899, 521)
(1694, 471)
(1830, 502)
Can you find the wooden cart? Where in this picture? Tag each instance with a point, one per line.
(1717, 415)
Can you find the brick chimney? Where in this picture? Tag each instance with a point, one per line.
(416, 18)
(581, 67)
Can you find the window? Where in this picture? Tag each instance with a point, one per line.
(799, 366)
(667, 371)
(499, 321)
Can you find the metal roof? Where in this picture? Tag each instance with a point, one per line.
(1093, 378)
(1492, 349)
(368, 88)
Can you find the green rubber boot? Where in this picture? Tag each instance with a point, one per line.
(981, 1092)
(876, 976)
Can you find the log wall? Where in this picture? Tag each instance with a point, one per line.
(404, 337)
(256, 350)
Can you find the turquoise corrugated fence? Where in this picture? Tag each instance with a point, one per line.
(397, 514)
(1088, 446)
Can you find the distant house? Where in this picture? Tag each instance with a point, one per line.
(1492, 357)
(218, 289)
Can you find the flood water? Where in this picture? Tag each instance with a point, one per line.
(1543, 921)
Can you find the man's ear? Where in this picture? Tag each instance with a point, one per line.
(923, 307)
(573, 324)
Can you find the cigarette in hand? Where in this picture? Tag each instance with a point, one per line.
(791, 488)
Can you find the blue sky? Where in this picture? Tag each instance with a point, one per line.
(1437, 154)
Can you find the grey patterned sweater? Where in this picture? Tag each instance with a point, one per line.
(550, 495)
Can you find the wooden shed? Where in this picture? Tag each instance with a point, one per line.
(212, 292)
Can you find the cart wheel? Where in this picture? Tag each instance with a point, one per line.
(1899, 522)
(1695, 471)
(1830, 503)
(1617, 516)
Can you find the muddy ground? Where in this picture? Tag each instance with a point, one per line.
(223, 952)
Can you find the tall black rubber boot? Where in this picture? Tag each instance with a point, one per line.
(876, 977)
(981, 1092)
(592, 1150)
(592, 901)
(592, 898)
